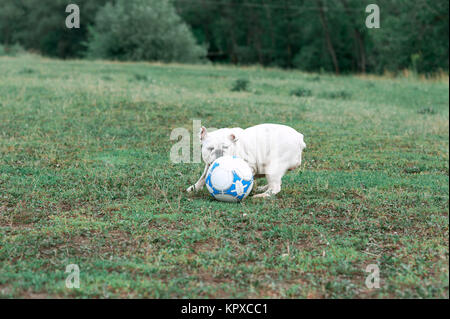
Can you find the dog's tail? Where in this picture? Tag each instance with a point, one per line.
(302, 147)
(297, 164)
(302, 142)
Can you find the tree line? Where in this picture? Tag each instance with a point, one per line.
(311, 35)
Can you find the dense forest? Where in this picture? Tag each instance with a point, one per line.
(312, 35)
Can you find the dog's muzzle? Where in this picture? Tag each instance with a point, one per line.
(218, 153)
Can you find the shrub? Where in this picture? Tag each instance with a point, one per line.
(12, 50)
(240, 85)
(301, 92)
(337, 95)
(426, 110)
(142, 30)
(140, 77)
(313, 79)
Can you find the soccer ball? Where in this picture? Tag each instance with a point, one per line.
(229, 179)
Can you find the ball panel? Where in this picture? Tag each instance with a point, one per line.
(221, 179)
(226, 198)
(244, 172)
(210, 189)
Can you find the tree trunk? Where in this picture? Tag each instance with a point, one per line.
(327, 37)
(361, 52)
(232, 42)
(288, 36)
(271, 32)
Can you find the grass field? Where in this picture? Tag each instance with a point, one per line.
(85, 178)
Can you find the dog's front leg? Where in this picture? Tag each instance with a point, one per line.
(200, 183)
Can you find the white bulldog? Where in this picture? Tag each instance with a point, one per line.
(269, 149)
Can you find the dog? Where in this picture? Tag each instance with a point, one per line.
(269, 149)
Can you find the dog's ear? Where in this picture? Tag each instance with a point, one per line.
(202, 133)
(233, 137)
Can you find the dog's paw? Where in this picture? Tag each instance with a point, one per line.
(262, 195)
(260, 189)
(190, 189)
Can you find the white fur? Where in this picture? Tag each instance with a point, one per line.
(269, 149)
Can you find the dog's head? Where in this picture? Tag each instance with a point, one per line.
(218, 143)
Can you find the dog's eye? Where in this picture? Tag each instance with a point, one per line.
(225, 147)
(210, 148)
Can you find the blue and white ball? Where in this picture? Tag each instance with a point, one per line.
(229, 179)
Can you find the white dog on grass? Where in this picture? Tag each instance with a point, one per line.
(269, 149)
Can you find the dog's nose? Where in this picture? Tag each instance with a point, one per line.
(218, 153)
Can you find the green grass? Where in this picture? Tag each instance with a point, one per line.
(85, 178)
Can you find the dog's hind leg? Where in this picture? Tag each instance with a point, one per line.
(260, 189)
(273, 186)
